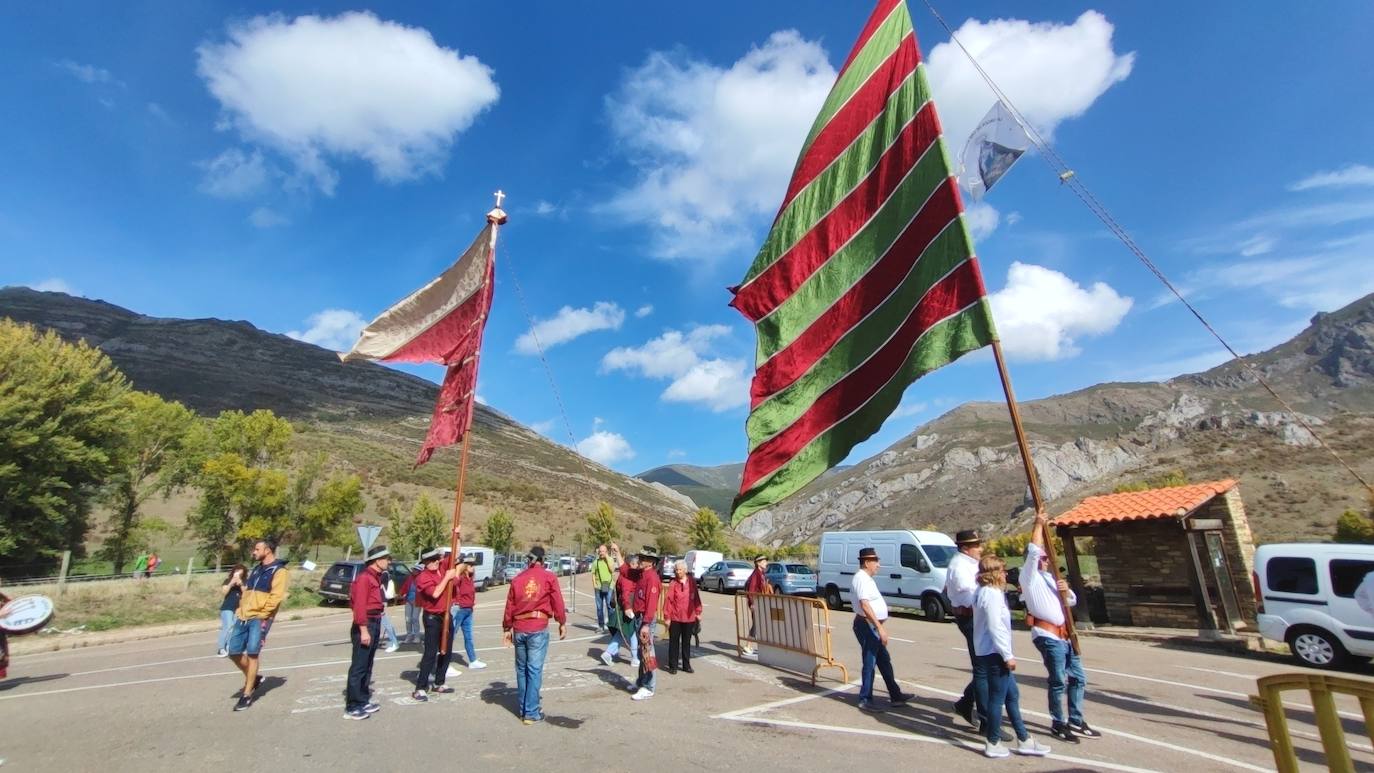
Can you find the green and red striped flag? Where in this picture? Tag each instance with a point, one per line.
(867, 280)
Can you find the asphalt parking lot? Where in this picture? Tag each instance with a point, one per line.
(165, 704)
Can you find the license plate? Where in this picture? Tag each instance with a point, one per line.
(336, 585)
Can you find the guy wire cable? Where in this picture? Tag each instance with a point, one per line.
(1069, 178)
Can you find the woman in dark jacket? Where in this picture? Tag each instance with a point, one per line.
(231, 590)
(682, 607)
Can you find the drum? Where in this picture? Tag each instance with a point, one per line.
(25, 614)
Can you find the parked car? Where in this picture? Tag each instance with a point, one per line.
(1305, 597)
(337, 580)
(584, 564)
(566, 564)
(792, 579)
(665, 567)
(498, 570)
(912, 574)
(513, 568)
(726, 575)
(698, 561)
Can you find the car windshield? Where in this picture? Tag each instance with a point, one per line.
(940, 554)
(737, 565)
(340, 571)
(799, 569)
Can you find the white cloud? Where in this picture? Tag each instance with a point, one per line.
(1256, 245)
(336, 329)
(544, 428)
(159, 112)
(87, 73)
(1322, 280)
(1013, 218)
(1022, 57)
(262, 217)
(54, 285)
(715, 382)
(714, 146)
(350, 86)
(676, 453)
(234, 174)
(644, 311)
(909, 409)
(1041, 313)
(605, 447)
(982, 220)
(569, 323)
(1352, 175)
(544, 208)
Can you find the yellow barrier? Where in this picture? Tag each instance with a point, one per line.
(791, 623)
(1322, 689)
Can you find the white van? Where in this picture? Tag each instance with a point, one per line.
(481, 570)
(1305, 597)
(911, 574)
(698, 561)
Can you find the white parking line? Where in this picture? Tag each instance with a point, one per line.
(1251, 677)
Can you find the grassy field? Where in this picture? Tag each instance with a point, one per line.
(103, 606)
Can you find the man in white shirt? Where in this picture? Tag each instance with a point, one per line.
(871, 612)
(1364, 595)
(1045, 616)
(961, 582)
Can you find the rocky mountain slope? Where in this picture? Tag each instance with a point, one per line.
(962, 469)
(367, 418)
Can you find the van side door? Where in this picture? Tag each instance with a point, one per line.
(889, 576)
(1346, 574)
(915, 571)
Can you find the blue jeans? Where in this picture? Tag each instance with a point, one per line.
(647, 678)
(413, 629)
(1060, 662)
(530, 649)
(461, 617)
(613, 648)
(603, 607)
(389, 630)
(996, 686)
(970, 701)
(875, 655)
(226, 624)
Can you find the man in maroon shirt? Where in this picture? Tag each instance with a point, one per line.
(647, 591)
(533, 599)
(758, 583)
(430, 588)
(368, 601)
(627, 577)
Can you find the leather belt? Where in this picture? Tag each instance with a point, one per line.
(532, 616)
(963, 611)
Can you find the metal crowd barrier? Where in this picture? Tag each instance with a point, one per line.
(1322, 689)
(792, 623)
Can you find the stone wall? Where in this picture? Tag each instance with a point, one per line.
(1240, 548)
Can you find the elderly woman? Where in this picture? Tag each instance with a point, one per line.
(682, 607)
(994, 664)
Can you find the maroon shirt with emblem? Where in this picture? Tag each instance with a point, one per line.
(646, 595)
(533, 590)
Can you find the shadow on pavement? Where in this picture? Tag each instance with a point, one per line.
(10, 684)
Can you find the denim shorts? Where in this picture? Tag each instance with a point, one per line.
(248, 636)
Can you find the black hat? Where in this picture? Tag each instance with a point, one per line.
(537, 553)
(648, 553)
(760, 557)
(375, 552)
(867, 553)
(432, 554)
(968, 537)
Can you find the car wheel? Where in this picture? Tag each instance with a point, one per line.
(832, 598)
(1316, 648)
(777, 589)
(933, 609)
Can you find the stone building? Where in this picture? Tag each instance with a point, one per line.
(1177, 557)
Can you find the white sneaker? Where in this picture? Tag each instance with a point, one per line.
(607, 659)
(1031, 748)
(222, 653)
(634, 662)
(392, 647)
(995, 750)
(643, 694)
(476, 664)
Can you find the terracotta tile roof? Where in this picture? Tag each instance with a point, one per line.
(1148, 505)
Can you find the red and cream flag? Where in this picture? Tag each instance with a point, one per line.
(867, 280)
(441, 322)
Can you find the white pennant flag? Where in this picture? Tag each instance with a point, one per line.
(996, 143)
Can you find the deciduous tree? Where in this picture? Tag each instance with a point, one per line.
(601, 525)
(498, 533)
(706, 531)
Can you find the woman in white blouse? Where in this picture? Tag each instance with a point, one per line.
(994, 666)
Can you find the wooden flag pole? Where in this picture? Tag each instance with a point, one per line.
(496, 217)
(1034, 482)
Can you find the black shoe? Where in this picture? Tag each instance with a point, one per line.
(966, 712)
(687, 670)
(1083, 731)
(371, 708)
(671, 670)
(257, 682)
(243, 703)
(419, 696)
(1063, 733)
(870, 707)
(900, 699)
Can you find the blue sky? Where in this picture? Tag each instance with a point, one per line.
(303, 166)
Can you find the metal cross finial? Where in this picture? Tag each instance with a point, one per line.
(499, 196)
